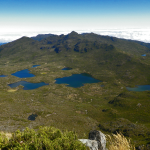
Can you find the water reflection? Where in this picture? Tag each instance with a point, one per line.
(67, 68)
(27, 85)
(77, 80)
(3, 75)
(139, 88)
(35, 66)
(23, 74)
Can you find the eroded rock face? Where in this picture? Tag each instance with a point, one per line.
(96, 141)
(99, 137)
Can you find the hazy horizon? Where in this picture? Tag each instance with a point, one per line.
(142, 35)
(29, 18)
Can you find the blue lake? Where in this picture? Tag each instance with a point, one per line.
(3, 76)
(139, 88)
(23, 74)
(77, 80)
(67, 68)
(143, 55)
(35, 66)
(27, 85)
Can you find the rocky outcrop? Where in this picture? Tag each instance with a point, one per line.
(96, 141)
(99, 137)
(92, 144)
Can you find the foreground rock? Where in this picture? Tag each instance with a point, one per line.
(92, 144)
(96, 141)
(99, 137)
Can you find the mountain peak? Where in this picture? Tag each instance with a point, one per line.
(73, 33)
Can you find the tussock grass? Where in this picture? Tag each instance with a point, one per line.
(119, 142)
(12, 90)
(5, 137)
(43, 72)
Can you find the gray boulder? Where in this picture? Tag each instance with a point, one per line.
(96, 141)
(99, 137)
(92, 144)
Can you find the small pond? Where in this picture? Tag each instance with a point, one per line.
(23, 74)
(27, 85)
(143, 55)
(32, 117)
(3, 75)
(139, 88)
(77, 80)
(35, 66)
(67, 68)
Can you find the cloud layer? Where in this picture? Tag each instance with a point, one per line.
(133, 34)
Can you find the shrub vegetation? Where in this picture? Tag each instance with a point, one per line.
(46, 138)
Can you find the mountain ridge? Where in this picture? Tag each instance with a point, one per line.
(105, 52)
(39, 37)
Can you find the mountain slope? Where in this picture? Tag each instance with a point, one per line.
(132, 47)
(89, 52)
(116, 62)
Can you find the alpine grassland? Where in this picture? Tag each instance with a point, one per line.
(107, 105)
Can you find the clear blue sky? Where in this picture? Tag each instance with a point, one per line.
(44, 15)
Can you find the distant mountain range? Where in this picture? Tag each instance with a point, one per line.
(40, 37)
